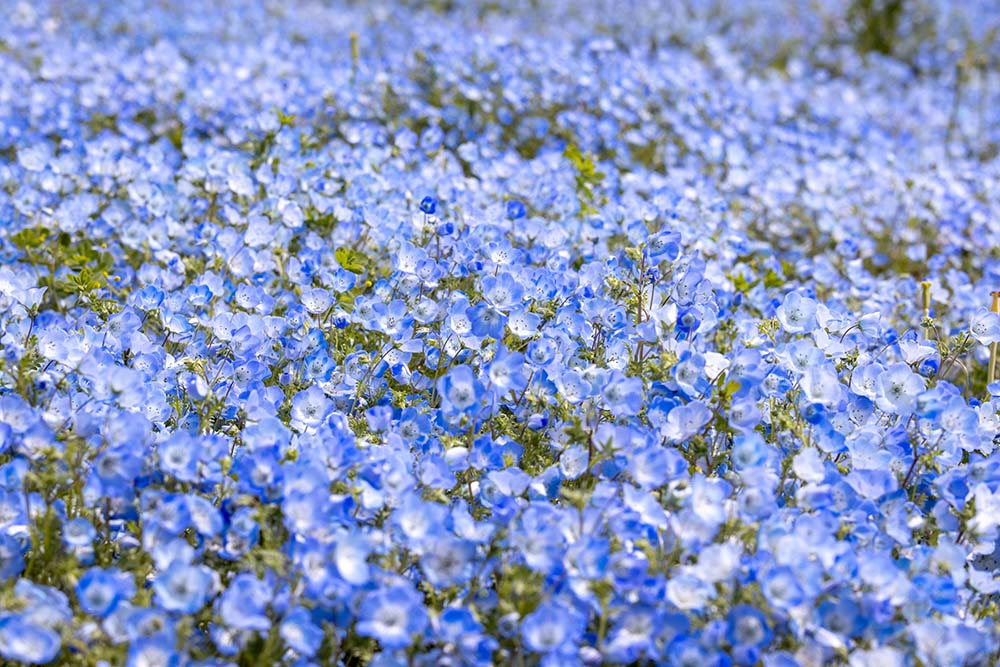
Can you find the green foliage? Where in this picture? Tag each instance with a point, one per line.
(588, 179)
(351, 259)
(875, 24)
(77, 267)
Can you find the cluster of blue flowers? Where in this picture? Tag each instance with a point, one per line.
(517, 333)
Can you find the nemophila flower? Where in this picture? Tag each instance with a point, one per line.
(797, 313)
(179, 457)
(706, 499)
(460, 390)
(552, 629)
(117, 468)
(35, 157)
(747, 631)
(350, 558)
(300, 632)
(987, 518)
(749, 450)
(290, 214)
(985, 326)
(542, 351)
(448, 562)
(419, 521)
(428, 205)
(459, 627)
(394, 615)
(884, 656)
(689, 373)
(523, 323)
(11, 557)
(486, 321)
(781, 588)
(663, 245)
(685, 421)
(634, 635)
(686, 651)
(688, 321)
(801, 354)
(316, 300)
(458, 322)
(28, 643)
(573, 462)
(44, 605)
(688, 592)
(156, 651)
(426, 311)
(184, 588)
(243, 605)
(502, 291)
(897, 389)
(515, 209)
(842, 618)
(318, 366)
(310, 408)
(744, 414)
(394, 319)
(821, 385)
(507, 371)
(343, 280)
(623, 395)
(99, 591)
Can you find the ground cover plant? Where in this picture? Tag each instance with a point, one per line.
(499, 333)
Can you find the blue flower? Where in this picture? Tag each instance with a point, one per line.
(502, 292)
(515, 209)
(184, 588)
(99, 591)
(633, 635)
(428, 205)
(157, 650)
(797, 313)
(461, 391)
(685, 421)
(663, 245)
(310, 408)
(553, 629)
(394, 615)
(747, 630)
(26, 642)
(623, 395)
(985, 326)
(11, 557)
(351, 559)
(841, 616)
(507, 372)
(300, 632)
(898, 387)
(781, 588)
(243, 605)
(45, 605)
(573, 462)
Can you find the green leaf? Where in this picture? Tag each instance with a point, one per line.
(285, 120)
(30, 238)
(741, 284)
(772, 279)
(351, 259)
(730, 389)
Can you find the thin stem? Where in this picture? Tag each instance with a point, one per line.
(992, 374)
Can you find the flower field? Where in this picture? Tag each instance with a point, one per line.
(519, 332)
